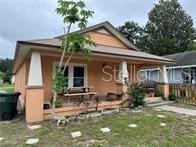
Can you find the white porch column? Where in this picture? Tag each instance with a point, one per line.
(163, 74)
(123, 72)
(121, 85)
(35, 70)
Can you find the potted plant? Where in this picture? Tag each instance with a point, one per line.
(58, 102)
(151, 92)
(158, 93)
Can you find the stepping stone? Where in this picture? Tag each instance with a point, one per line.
(160, 116)
(1, 138)
(136, 111)
(34, 127)
(76, 134)
(133, 125)
(32, 141)
(163, 124)
(95, 114)
(106, 112)
(105, 130)
(157, 109)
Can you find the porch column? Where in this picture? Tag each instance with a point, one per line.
(35, 71)
(123, 72)
(34, 91)
(123, 78)
(163, 78)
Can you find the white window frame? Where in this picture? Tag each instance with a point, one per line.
(71, 74)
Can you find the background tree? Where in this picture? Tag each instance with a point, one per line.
(169, 29)
(72, 12)
(192, 45)
(6, 66)
(132, 31)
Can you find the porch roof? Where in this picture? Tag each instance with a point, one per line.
(56, 42)
(23, 48)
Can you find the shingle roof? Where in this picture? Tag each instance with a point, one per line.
(183, 59)
(125, 52)
(49, 41)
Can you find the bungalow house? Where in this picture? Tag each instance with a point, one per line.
(182, 71)
(112, 60)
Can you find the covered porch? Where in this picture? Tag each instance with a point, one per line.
(106, 75)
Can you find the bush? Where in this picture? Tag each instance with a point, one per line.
(137, 93)
(172, 97)
(1, 76)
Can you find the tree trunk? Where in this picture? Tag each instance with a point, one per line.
(60, 65)
(67, 62)
(53, 104)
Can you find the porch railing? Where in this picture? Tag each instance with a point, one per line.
(185, 93)
(149, 84)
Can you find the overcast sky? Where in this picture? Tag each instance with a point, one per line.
(32, 19)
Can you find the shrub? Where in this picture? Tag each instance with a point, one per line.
(1, 76)
(172, 97)
(137, 93)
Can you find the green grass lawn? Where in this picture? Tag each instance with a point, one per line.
(8, 88)
(179, 131)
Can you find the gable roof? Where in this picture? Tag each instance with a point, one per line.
(183, 59)
(110, 28)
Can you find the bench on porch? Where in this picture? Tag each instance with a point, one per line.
(80, 93)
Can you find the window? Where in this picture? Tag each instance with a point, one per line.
(66, 76)
(78, 76)
(186, 75)
(75, 75)
(189, 75)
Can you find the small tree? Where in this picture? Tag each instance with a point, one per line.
(73, 13)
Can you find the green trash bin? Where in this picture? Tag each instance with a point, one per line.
(8, 105)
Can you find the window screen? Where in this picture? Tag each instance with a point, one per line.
(78, 76)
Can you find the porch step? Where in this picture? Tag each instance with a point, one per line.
(156, 104)
(150, 100)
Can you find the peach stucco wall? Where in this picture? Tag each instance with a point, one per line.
(95, 75)
(164, 88)
(34, 104)
(20, 82)
(105, 39)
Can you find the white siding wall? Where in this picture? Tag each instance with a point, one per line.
(174, 75)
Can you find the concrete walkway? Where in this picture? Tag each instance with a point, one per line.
(180, 110)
